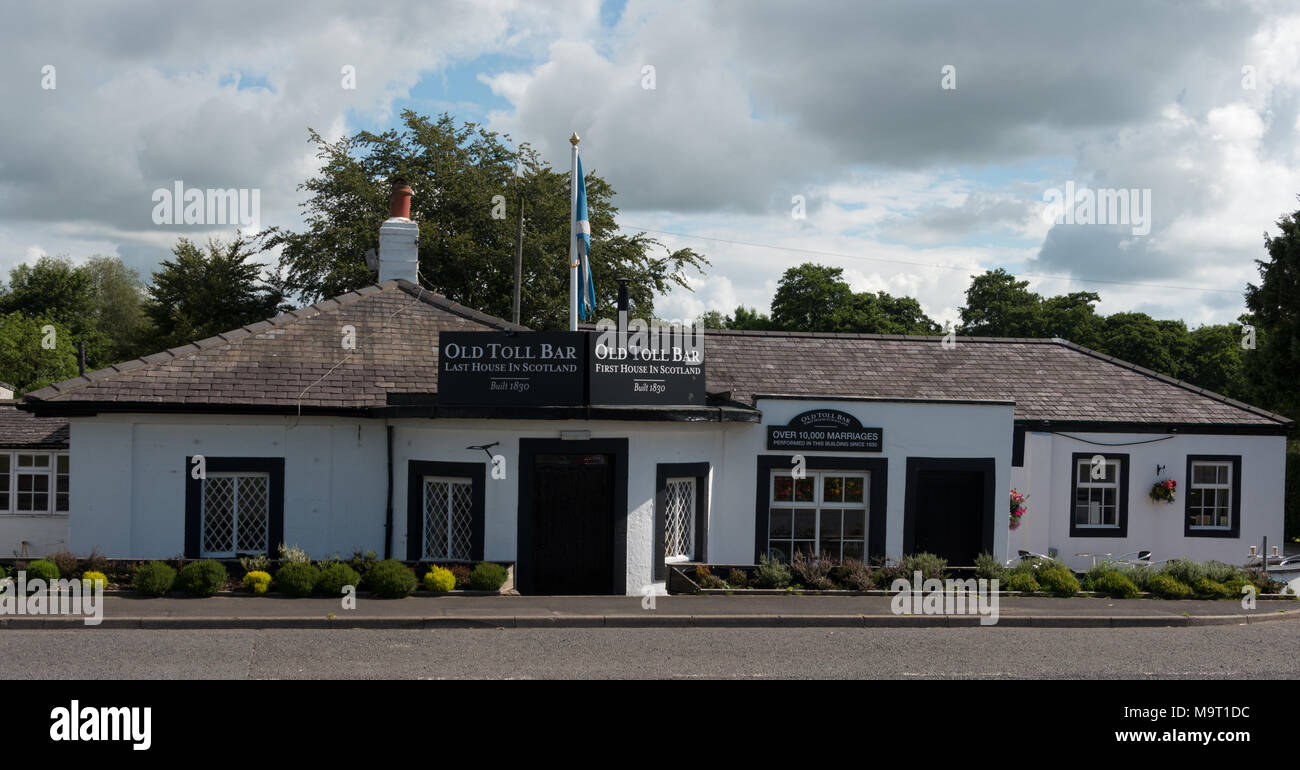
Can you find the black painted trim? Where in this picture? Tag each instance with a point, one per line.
(416, 471)
(884, 399)
(529, 448)
(1220, 429)
(987, 466)
(877, 513)
(1018, 447)
(663, 472)
(1121, 515)
(273, 466)
(1235, 530)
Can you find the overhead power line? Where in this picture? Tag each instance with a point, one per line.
(920, 264)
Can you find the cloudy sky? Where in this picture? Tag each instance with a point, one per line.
(909, 185)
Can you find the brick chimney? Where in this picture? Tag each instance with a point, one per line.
(399, 237)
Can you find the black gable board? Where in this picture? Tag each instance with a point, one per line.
(511, 368)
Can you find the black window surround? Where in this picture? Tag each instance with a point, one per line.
(416, 471)
(529, 448)
(877, 467)
(663, 472)
(1121, 502)
(986, 466)
(1235, 529)
(272, 466)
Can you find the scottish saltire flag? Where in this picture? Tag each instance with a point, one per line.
(582, 230)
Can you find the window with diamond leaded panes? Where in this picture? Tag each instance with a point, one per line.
(235, 514)
(448, 518)
(679, 519)
(824, 513)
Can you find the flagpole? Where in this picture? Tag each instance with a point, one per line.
(573, 238)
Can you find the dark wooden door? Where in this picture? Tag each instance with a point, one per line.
(573, 524)
(950, 514)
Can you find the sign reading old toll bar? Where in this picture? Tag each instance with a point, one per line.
(825, 429)
(511, 369)
(647, 366)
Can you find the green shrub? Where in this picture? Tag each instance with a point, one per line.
(4, 572)
(853, 575)
(811, 571)
(930, 565)
(738, 578)
(1265, 585)
(771, 573)
(363, 563)
(44, 569)
(66, 561)
(154, 578)
(1220, 572)
(257, 581)
(1058, 580)
(439, 580)
(1022, 581)
(391, 579)
(333, 577)
(488, 576)
(1140, 575)
(1114, 583)
(1232, 588)
(989, 567)
(1166, 586)
(1210, 589)
(297, 578)
(201, 578)
(1185, 571)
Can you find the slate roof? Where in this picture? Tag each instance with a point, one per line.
(298, 358)
(21, 430)
(1048, 379)
(295, 358)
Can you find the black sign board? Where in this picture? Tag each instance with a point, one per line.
(824, 429)
(666, 371)
(511, 369)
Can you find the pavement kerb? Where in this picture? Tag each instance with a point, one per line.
(645, 620)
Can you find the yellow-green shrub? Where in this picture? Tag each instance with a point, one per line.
(439, 580)
(90, 578)
(257, 581)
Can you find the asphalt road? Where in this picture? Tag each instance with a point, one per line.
(1266, 650)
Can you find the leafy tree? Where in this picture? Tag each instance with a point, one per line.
(200, 293)
(25, 361)
(118, 298)
(812, 298)
(1216, 360)
(997, 305)
(881, 313)
(749, 319)
(1273, 368)
(1071, 317)
(466, 248)
(54, 290)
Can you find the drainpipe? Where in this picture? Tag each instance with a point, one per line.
(81, 358)
(388, 510)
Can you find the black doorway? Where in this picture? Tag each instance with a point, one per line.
(572, 527)
(949, 508)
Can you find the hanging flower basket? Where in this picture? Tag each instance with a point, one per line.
(1163, 491)
(1017, 507)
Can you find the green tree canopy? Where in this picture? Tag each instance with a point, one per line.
(467, 238)
(35, 352)
(1274, 366)
(202, 292)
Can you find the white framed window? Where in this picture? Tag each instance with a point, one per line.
(448, 518)
(1209, 495)
(823, 513)
(33, 482)
(1097, 500)
(679, 518)
(235, 514)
